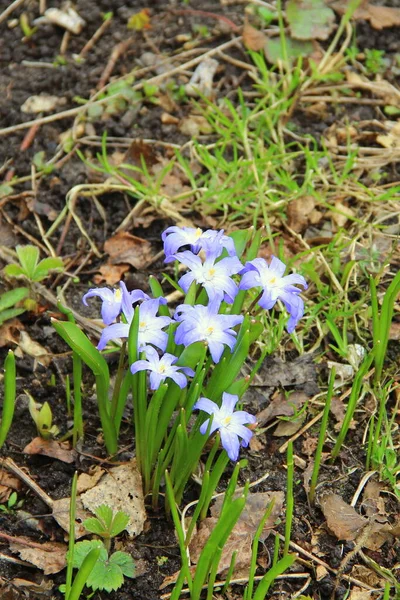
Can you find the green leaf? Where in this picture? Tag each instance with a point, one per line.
(125, 562)
(13, 270)
(240, 239)
(10, 313)
(105, 576)
(11, 298)
(310, 19)
(120, 521)
(274, 49)
(82, 549)
(105, 514)
(46, 265)
(192, 355)
(28, 257)
(80, 343)
(94, 526)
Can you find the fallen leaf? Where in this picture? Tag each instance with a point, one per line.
(253, 39)
(394, 331)
(298, 212)
(380, 17)
(120, 488)
(52, 448)
(40, 590)
(281, 406)
(392, 139)
(86, 481)
(288, 428)
(9, 331)
(8, 484)
(343, 213)
(338, 409)
(309, 446)
(140, 20)
(127, 248)
(49, 557)
(110, 274)
(195, 125)
(32, 348)
(342, 519)
(358, 593)
(243, 533)
(310, 19)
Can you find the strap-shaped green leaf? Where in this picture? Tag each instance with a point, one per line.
(9, 299)
(80, 343)
(28, 256)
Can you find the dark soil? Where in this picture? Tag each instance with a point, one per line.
(23, 74)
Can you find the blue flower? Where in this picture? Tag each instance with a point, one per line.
(215, 277)
(257, 273)
(112, 300)
(150, 326)
(203, 323)
(175, 237)
(231, 425)
(161, 368)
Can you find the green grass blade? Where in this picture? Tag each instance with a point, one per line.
(10, 378)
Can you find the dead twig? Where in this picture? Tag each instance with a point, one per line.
(119, 49)
(13, 6)
(95, 37)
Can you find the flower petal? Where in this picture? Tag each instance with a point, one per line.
(113, 332)
(230, 442)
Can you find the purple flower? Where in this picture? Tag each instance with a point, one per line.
(215, 277)
(231, 425)
(161, 368)
(276, 286)
(150, 326)
(112, 300)
(175, 237)
(203, 323)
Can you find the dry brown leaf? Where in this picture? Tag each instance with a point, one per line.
(288, 428)
(124, 247)
(358, 593)
(86, 481)
(243, 533)
(309, 446)
(49, 557)
(39, 590)
(32, 348)
(342, 519)
(394, 331)
(120, 488)
(110, 274)
(368, 576)
(380, 17)
(52, 448)
(8, 484)
(282, 406)
(338, 409)
(194, 125)
(344, 211)
(299, 211)
(253, 39)
(392, 139)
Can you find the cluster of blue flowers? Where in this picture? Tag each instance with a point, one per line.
(212, 263)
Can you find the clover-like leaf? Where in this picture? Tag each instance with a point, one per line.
(120, 521)
(94, 526)
(106, 576)
(125, 562)
(275, 52)
(82, 549)
(105, 514)
(45, 266)
(28, 257)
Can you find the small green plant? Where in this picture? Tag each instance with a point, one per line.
(12, 504)
(374, 61)
(26, 28)
(110, 569)
(43, 418)
(8, 302)
(30, 267)
(39, 160)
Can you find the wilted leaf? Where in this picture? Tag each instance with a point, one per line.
(110, 274)
(243, 533)
(127, 248)
(52, 448)
(120, 488)
(310, 19)
(86, 481)
(287, 428)
(50, 557)
(342, 519)
(8, 484)
(379, 16)
(301, 211)
(253, 39)
(275, 51)
(338, 409)
(34, 349)
(140, 20)
(282, 406)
